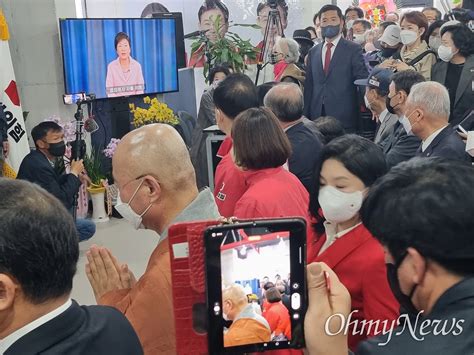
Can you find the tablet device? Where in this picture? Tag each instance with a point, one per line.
(256, 285)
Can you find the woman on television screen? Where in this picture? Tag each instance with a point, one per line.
(124, 74)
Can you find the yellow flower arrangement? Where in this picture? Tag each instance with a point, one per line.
(157, 112)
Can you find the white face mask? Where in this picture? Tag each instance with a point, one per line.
(339, 206)
(434, 42)
(359, 38)
(367, 102)
(445, 53)
(408, 37)
(128, 213)
(349, 24)
(407, 124)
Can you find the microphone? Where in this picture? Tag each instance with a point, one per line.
(195, 34)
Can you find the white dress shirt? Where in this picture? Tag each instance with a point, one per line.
(333, 48)
(426, 143)
(332, 235)
(5, 343)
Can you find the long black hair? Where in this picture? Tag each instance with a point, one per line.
(360, 156)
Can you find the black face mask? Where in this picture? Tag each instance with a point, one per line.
(390, 108)
(57, 149)
(388, 52)
(404, 300)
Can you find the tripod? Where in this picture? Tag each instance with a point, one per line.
(78, 150)
(274, 22)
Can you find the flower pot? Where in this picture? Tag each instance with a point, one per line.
(98, 204)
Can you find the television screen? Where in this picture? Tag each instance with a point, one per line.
(119, 57)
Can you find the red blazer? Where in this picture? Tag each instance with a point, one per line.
(278, 318)
(358, 260)
(272, 193)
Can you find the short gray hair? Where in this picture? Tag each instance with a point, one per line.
(432, 97)
(285, 100)
(292, 55)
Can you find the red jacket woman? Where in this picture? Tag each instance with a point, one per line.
(350, 165)
(277, 315)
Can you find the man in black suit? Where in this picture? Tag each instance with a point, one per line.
(39, 253)
(333, 66)
(285, 100)
(427, 115)
(399, 146)
(39, 167)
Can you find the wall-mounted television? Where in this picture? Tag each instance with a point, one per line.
(119, 57)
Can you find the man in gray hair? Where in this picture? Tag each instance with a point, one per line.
(426, 116)
(285, 100)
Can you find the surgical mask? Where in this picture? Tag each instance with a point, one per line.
(274, 58)
(388, 52)
(367, 102)
(390, 108)
(445, 53)
(408, 37)
(57, 149)
(349, 24)
(434, 42)
(407, 124)
(339, 206)
(128, 213)
(404, 300)
(359, 38)
(330, 31)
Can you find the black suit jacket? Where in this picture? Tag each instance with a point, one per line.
(3, 127)
(456, 303)
(336, 91)
(36, 168)
(306, 153)
(447, 144)
(399, 146)
(85, 330)
(464, 100)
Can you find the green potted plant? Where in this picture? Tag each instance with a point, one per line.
(229, 48)
(98, 186)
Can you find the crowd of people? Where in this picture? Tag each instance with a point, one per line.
(389, 214)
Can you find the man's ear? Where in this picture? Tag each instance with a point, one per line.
(8, 291)
(154, 188)
(40, 144)
(418, 265)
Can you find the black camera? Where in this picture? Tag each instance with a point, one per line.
(272, 3)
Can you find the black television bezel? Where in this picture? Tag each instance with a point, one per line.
(118, 18)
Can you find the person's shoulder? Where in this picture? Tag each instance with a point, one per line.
(135, 62)
(113, 63)
(350, 45)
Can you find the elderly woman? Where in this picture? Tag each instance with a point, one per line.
(124, 74)
(285, 55)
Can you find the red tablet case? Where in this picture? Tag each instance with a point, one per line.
(186, 243)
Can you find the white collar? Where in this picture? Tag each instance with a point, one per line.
(335, 41)
(426, 143)
(332, 235)
(383, 115)
(5, 343)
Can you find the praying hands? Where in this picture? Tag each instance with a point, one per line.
(105, 273)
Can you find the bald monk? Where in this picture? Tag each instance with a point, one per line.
(153, 172)
(247, 327)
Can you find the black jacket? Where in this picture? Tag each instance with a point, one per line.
(36, 168)
(85, 330)
(399, 146)
(336, 90)
(457, 304)
(306, 152)
(447, 144)
(463, 102)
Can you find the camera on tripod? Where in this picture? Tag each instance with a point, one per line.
(273, 4)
